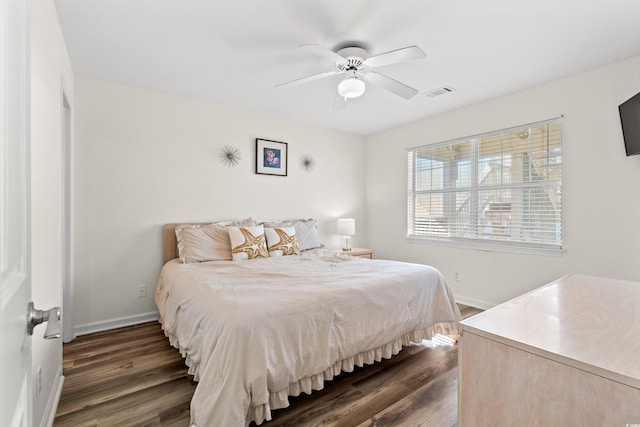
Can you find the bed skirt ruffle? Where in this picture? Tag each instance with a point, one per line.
(280, 399)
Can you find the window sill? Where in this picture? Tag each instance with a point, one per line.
(491, 246)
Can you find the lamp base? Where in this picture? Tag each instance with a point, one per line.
(346, 244)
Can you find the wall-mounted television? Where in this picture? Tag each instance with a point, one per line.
(630, 119)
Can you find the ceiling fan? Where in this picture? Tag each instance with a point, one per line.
(352, 61)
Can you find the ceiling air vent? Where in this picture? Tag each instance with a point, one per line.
(440, 91)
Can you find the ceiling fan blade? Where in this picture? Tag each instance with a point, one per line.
(394, 86)
(324, 52)
(395, 56)
(310, 78)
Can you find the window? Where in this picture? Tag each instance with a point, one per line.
(500, 190)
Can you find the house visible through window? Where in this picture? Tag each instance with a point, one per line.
(500, 190)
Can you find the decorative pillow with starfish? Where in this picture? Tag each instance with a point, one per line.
(281, 241)
(248, 242)
(306, 231)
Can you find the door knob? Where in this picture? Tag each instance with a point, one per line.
(51, 316)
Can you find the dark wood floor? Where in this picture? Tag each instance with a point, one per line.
(133, 377)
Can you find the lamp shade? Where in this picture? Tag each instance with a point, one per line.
(351, 87)
(347, 226)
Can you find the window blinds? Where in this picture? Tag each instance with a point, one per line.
(501, 188)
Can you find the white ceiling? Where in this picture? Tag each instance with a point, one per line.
(235, 52)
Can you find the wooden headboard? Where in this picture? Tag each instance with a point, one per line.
(169, 242)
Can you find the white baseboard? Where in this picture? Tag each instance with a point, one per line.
(54, 399)
(105, 325)
(484, 305)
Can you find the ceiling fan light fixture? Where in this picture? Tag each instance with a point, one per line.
(351, 87)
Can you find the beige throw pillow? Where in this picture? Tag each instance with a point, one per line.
(203, 243)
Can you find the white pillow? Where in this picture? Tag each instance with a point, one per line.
(203, 243)
(248, 242)
(247, 222)
(199, 243)
(281, 241)
(306, 232)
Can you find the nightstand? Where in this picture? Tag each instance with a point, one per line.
(360, 253)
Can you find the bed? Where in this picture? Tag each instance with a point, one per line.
(254, 332)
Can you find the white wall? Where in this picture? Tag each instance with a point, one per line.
(50, 73)
(601, 197)
(145, 158)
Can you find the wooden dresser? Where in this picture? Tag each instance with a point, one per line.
(566, 354)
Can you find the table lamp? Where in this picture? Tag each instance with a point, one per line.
(347, 228)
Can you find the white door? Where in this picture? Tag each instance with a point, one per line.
(15, 283)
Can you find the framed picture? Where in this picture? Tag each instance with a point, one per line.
(271, 157)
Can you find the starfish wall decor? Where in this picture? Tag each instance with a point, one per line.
(230, 156)
(307, 162)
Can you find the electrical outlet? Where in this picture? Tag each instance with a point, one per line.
(457, 275)
(142, 291)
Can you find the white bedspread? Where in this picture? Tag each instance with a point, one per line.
(254, 332)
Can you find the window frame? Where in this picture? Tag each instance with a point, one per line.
(504, 244)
